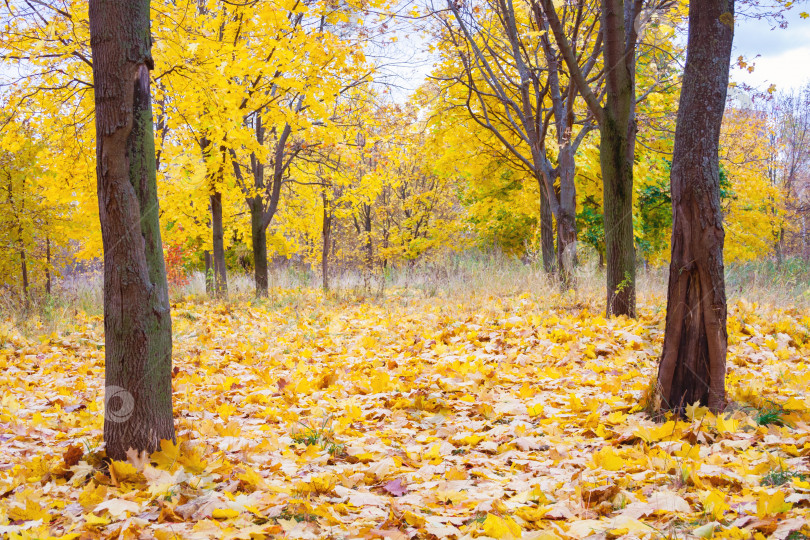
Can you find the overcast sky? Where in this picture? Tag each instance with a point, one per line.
(781, 56)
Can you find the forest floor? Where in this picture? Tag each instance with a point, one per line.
(409, 417)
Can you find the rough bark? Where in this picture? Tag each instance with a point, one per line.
(218, 238)
(567, 217)
(693, 360)
(616, 153)
(258, 235)
(137, 322)
(617, 185)
(546, 231)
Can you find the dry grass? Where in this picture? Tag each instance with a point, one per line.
(470, 275)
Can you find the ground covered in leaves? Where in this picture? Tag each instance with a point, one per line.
(407, 417)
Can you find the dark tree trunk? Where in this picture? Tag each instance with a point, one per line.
(693, 360)
(258, 224)
(48, 266)
(24, 271)
(546, 231)
(327, 233)
(617, 184)
(218, 237)
(137, 320)
(258, 234)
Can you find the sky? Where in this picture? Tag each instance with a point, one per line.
(781, 56)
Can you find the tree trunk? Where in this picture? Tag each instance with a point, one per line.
(327, 232)
(546, 231)
(566, 220)
(48, 266)
(369, 249)
(209, 273)
(218, 237)
(258, 234)
(137, 320)
(693, 360)
(24, 271)
(617, 182)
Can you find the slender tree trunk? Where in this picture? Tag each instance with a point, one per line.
(48, 266)
(327, 233)
(693, 360)
(258, 234)
(24, 271)
(617, 181)
(546, 231)
(218, 237)
(137, 320)
(258, 227)
(209, 273)
(369, 250)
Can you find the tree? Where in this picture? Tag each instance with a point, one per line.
(137, 320)
(513, 86)
(617, 128)
(693, 360)
(789, 170)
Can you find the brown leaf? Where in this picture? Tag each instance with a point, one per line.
(72, 455)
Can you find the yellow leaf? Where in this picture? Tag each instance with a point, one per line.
(771, 504)
(167, 457)
(224, 513)
(727, 424)
(501, 527)
(380, 382)
(608, 459)
(123, 471)
(714, 503)
(93, 520)
(32, 511)
(535, 410)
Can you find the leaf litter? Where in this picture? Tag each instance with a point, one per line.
(498, 417)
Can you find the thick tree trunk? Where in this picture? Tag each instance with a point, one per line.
(258, 236)
(137, 320)
(546, 231)
(616, 159)
(209, 273)
(218, 237)
(693, 360)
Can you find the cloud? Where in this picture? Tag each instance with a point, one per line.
(780, 54)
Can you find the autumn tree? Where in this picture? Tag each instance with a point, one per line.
(619, 26)
(514, 86)
(137, 320)
(693, 360)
